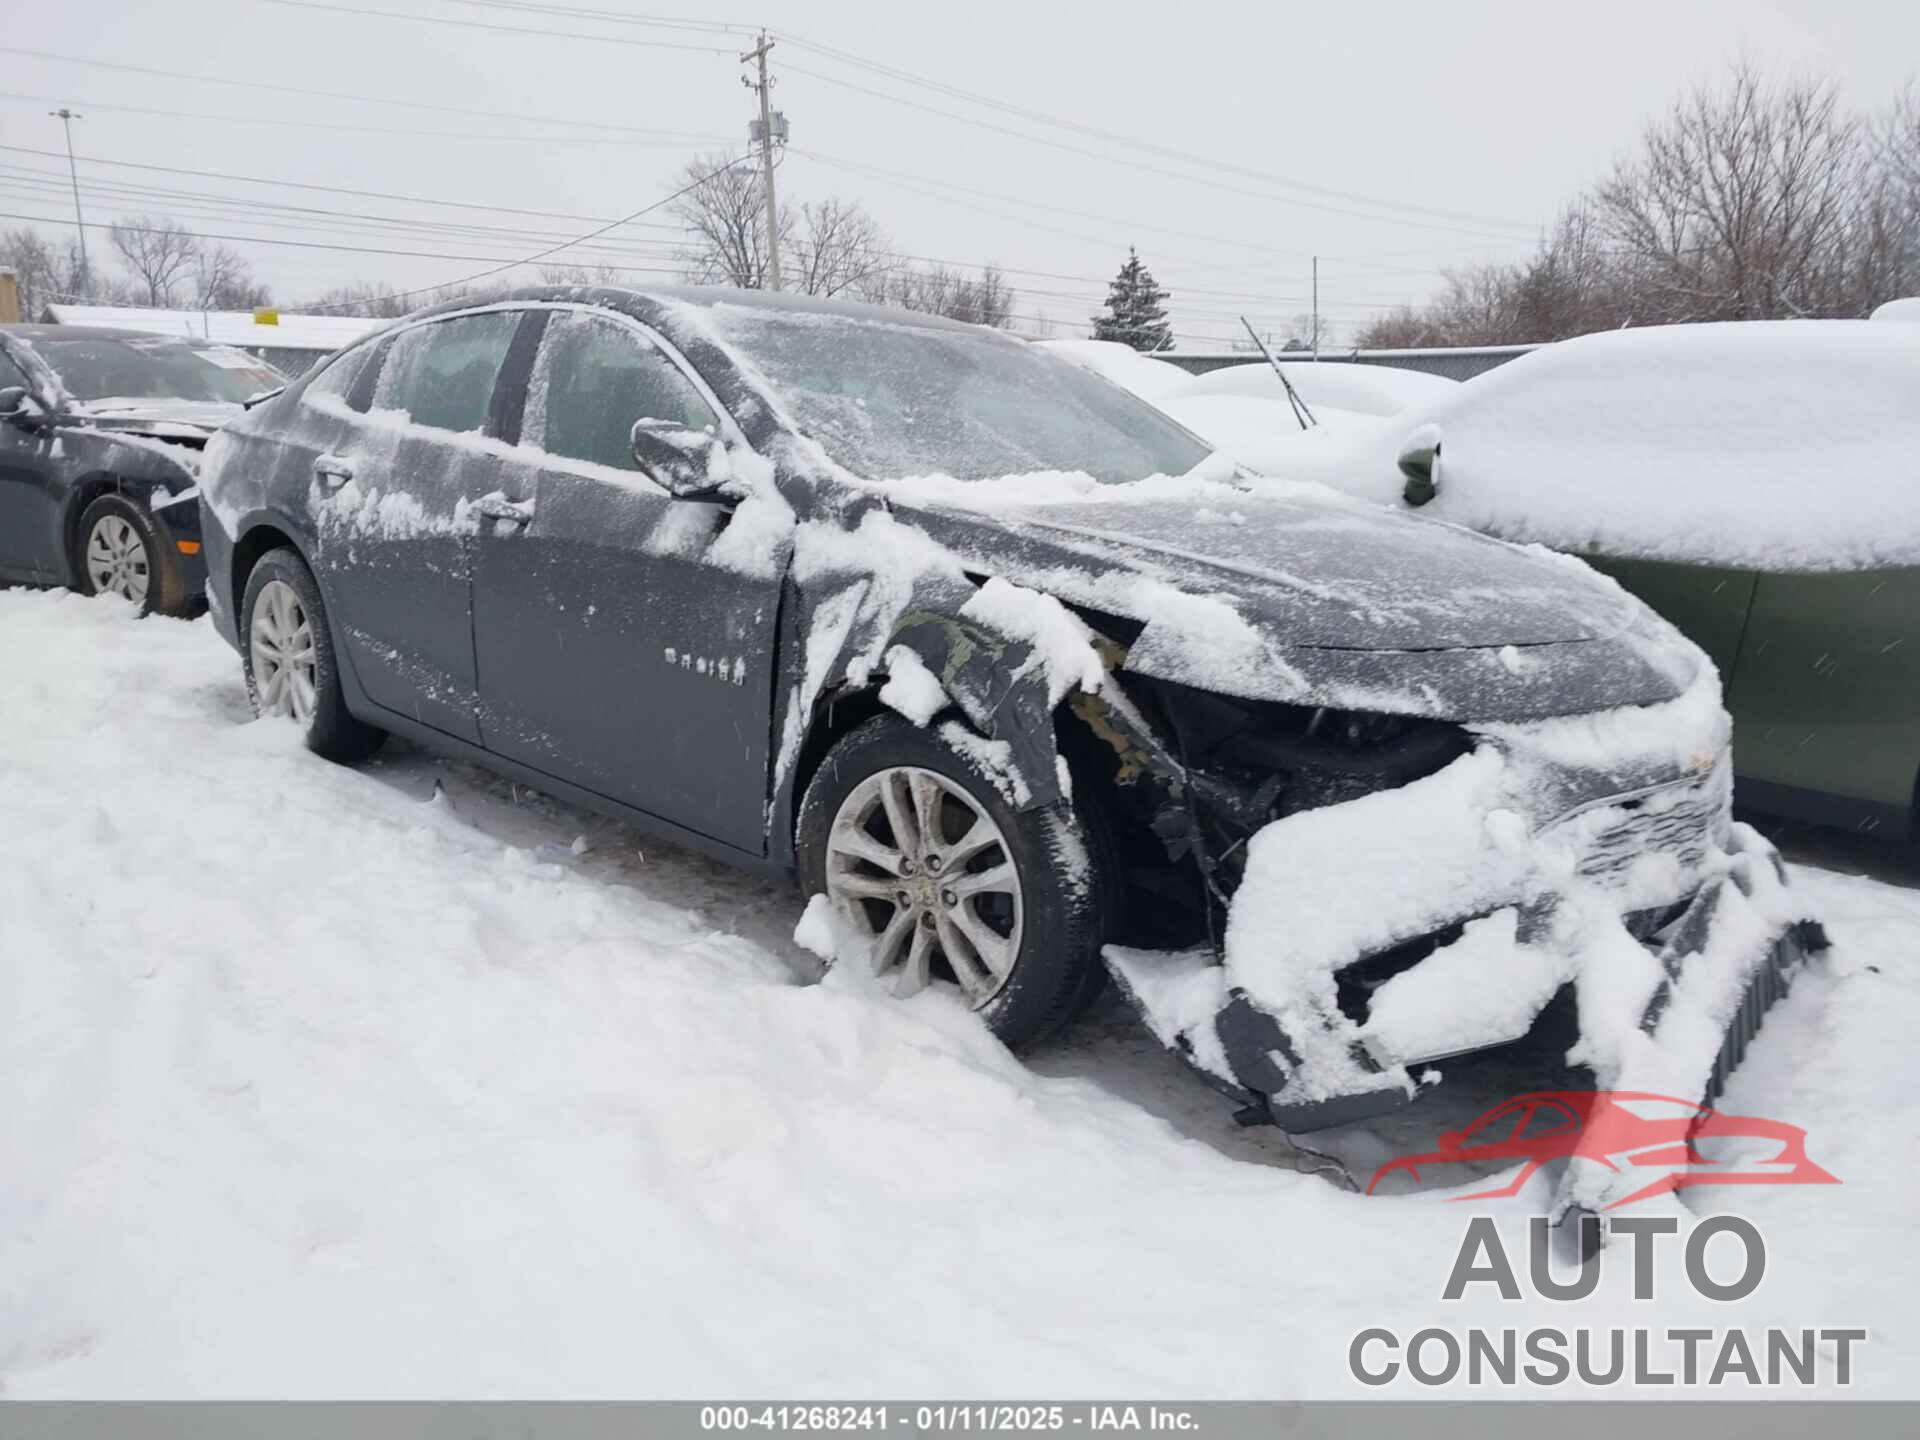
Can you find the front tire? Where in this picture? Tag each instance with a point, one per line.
(921, 854)
(286, 651)
(120, 551)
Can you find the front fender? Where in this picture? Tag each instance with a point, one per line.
(993, 681)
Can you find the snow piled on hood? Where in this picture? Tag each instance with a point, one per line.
(1774, 445)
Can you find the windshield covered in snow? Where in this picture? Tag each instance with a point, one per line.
(892, 401)
(97, 368)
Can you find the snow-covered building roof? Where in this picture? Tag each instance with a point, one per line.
(306, 336)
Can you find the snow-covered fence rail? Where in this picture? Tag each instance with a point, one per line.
(1455, 362)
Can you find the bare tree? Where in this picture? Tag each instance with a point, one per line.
(985, 299)
(838, 247)
(1751, 201)
(725, 213)
(1739, 202)
(223, 280)
(36, 266)
(158, 253)
(559, 273)
(375, 300)
(1890, 217)
(1305, 331)
(1403, 329)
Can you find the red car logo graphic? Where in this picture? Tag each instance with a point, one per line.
(1675, 1142)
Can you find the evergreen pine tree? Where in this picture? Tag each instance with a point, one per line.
(1135, 314)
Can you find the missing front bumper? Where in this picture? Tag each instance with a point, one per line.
(1672, 1011)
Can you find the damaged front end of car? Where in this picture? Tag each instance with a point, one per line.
(1356, 895)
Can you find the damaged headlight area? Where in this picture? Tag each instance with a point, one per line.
(1356, 895)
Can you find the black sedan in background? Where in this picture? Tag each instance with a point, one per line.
(100, 437)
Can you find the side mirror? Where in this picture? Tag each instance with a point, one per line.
(18, 407)
(690, 463)
(1421, 465)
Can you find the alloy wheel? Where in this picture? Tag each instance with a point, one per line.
(920, 867)
(280, 647)
(117, 559)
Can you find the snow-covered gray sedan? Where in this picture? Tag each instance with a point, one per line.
(1025, 685)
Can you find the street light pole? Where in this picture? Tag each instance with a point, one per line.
(66, 118)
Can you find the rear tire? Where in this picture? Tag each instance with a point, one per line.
(1022, 914)
(120, 551)
(287, 654)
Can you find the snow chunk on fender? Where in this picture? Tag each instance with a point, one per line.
(911, 688)
(1062, 643)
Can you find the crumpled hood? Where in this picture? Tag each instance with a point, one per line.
(1309, 597)
(187, 422)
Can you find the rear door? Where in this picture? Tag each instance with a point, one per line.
(390, 496)
(613, 653)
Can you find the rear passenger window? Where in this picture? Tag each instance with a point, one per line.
(595, 379)
(442, 374)
(337, 379)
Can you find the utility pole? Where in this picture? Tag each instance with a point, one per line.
(66, 118)
(1316, 307)
(764, 88)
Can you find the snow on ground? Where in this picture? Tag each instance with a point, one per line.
(319, 1085)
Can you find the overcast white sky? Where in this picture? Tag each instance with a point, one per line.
(1461, 126)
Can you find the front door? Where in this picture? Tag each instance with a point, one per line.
(26, 503)
(391, 493)
(613, 653)
(1826, 692)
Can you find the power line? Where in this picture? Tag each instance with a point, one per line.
(556, 249)
(175, 77)
(1132, 165)
(650, 22)
(1041, 117)
(1192, 300)
(664, 137)
(1187, 157)
(505, 29)
(1393, 206)
(300, 185)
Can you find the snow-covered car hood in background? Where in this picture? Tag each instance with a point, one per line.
(1302, 596)
(187, 422)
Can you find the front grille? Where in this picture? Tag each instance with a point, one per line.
(1685, 821)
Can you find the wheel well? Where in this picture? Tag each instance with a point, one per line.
(89, 489)
(247, 551)
(1089, 761)
(834, 715)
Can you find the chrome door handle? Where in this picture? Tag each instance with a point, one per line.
(497, 507)
(332, 471)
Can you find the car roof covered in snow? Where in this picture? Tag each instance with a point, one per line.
(642, 301)
(1763, 444)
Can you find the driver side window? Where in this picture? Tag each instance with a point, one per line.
(594, 380)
